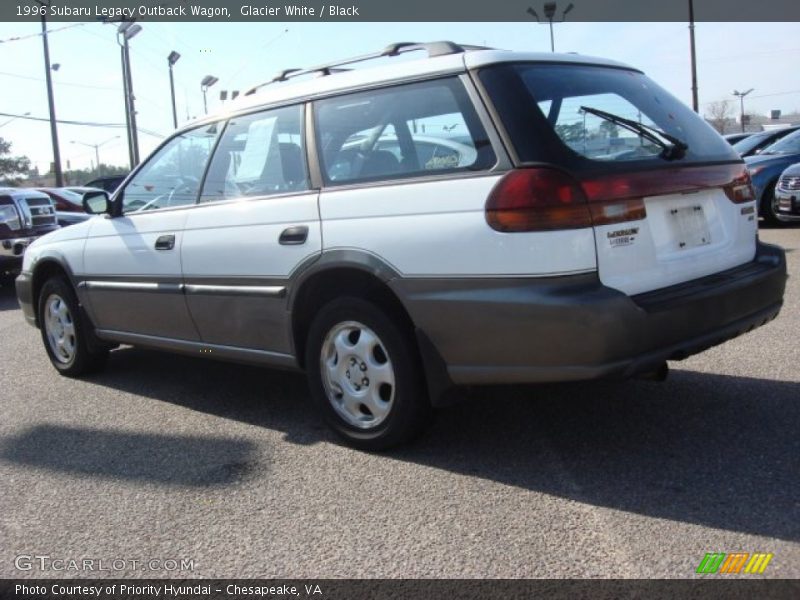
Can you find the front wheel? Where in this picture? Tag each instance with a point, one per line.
(65, 331)
(365, 375)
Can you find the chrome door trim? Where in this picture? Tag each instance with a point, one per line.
(269, 291)
(132, 286)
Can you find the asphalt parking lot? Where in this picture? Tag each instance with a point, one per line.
(168, 457)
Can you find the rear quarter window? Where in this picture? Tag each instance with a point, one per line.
(410, 130)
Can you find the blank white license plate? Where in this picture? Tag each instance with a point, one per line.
(690, 227)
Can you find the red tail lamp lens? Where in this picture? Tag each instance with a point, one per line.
(537, 200)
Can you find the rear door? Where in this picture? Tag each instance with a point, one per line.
(257, 220)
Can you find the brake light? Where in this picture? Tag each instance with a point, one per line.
(546, 199)
(537, 200)
(740, 190)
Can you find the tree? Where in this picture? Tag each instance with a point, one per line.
(719, 115)
(12, 168)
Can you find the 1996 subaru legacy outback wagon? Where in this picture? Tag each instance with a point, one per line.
(473, 217)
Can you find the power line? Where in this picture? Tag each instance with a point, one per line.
(39, 33)
(79, 85)
(83, 123)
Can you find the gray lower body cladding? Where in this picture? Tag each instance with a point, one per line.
(523, 330)
(483, 330)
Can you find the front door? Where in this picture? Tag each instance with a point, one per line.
(132, 263)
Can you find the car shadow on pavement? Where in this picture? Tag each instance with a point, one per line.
(714, 450)
(8, 298)
(154, 458)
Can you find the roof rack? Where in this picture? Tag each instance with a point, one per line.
(432, 48)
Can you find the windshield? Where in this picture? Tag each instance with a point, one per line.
(536, 101)
(788, 145)
(750, 142)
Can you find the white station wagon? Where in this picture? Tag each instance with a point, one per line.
(473, 217)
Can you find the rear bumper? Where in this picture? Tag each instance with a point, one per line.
(571, 328)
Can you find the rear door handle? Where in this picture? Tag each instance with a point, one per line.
(294, 236)
(165, 242)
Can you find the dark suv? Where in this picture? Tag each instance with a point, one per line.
(25, 214)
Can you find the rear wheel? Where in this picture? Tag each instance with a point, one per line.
(66, 332)
(769, 207)
(365, 375)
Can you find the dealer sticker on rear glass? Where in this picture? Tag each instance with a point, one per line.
(622, 237)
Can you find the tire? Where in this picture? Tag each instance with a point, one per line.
(349, 341)
(769, 208)
(66, 331)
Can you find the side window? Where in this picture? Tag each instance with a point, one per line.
(259, 154)
(405, 131)
(172, 176)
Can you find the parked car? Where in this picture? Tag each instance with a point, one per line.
(787, 194)
(757, 142)
(69, 204)
(25, 215)
(734, 138)
(65, 200)
(81, 189)
(257, 235)
(766, 167)
(109, 183)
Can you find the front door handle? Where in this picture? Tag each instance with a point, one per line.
(294, 236)
(165, 242)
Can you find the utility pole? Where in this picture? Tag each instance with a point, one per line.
(741, 96)
(695, 102)
(51, 103)
(128, 30)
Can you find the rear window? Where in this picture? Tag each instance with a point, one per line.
(543, 108)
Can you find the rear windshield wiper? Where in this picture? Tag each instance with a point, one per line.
(672, 148)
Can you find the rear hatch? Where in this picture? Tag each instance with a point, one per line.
(669, 200)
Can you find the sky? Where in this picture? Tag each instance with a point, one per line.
(88, 83)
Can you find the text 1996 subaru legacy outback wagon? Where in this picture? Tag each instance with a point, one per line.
(473, 217)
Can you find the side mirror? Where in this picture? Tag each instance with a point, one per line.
(96, 203)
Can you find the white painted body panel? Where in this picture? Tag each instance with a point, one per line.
(438, 228)
(66, 242)
(654, 260)
(233, 239)
(125, 246)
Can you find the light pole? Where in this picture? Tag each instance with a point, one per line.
(50, 100)
(741, 96)
(549, 9)
(96, 147)
(128, 30)
(206, 83)
(693, 56)
(14, 119)
(171, 60)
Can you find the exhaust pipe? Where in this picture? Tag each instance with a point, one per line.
(660, 373)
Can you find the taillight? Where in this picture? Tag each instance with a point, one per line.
(546, 199)
(740, 190)
(540, 199)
